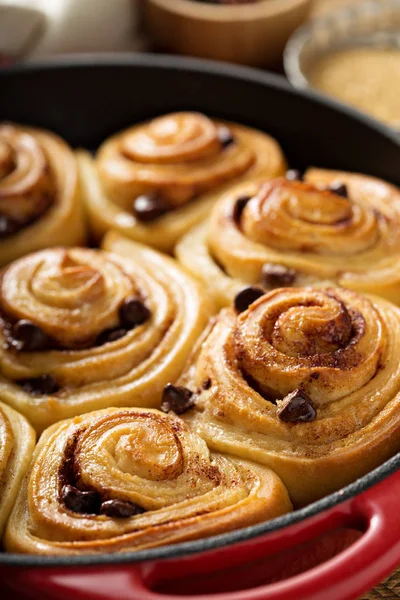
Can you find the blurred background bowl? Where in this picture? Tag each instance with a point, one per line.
(252, 34)
(43, 28)
(362, 24)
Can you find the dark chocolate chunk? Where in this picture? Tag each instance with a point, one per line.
(275, 276)
(85, 503)
(340, 189)
(28, 337)
(7, 226)
(120, 509)
(225, 136)
(297, 407)
(110, 335)
(44, 385)
(239, 207)
(147, 208)
(133, 312)
(294, 175)
(246, 297)
(206, 384)
(178, 399)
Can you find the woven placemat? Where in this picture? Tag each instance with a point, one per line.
(389, 589)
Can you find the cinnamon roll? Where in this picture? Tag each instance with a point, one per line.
(126, 479)
(303, 380)
(17, 442)
(40, 203)
(83, 329)
(338, 227)
(153, 181)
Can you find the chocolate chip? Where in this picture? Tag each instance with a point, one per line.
(225, 136)
(239, 207)
(110, 335)
(294, 175)
(133, 312)
(120, 509)
(297, 407)
(7, 226)
(274, 276)
(44, 385)
(28, 337)
(178, 399)
(206, 384)
(86, 503)
(246, 297)
(149, 207)
(340, 189)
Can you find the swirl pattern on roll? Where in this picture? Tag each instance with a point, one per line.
(17, 442)
(156, 179)
(39, 193)
(67, 344)
(334, 226)
(305, 381)
(139, 479)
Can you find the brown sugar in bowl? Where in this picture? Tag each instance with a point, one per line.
(253, 33)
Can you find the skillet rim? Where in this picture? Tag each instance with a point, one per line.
(240, 73)
(185, 549)
(196, 65)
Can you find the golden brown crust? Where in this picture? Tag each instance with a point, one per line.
(181, 159)
(334, 346)
(17, 442)
(74, 296)
(39, 192)
(144, 458)
(353, 241)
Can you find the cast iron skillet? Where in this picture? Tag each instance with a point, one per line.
(85, 100)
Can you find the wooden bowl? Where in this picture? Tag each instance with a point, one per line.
(252, 34)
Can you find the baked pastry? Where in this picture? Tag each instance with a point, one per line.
(303, 380)
(153, 181)
(83, 329)
(126, 479)
(334, 226)
(40, 202)
(17, 442)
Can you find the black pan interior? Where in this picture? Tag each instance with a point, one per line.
(85, 100)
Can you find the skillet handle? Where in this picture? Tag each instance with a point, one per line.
(344, 576)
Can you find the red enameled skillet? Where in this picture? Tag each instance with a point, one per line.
(335, 549)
